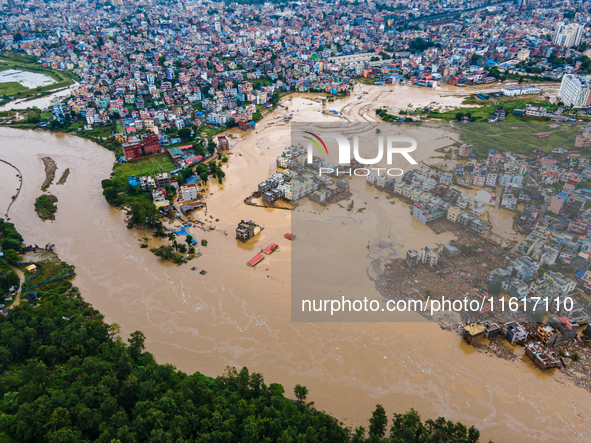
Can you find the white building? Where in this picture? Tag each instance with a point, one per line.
(372, 177)
(567, 35)
(575, 91)
(523, 54)
(477, 209)
(445, 179)
(484, 195)
(491, 179)
(508, 201)
(189, 192)
(511, 91)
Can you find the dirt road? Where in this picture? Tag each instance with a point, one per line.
(20, 274)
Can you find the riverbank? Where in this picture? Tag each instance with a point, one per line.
(241, 316)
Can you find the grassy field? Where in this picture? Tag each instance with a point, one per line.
(50, 268)
(516, 137)
(21, 62)
(145, 166)
(487, 107)
(366, 81)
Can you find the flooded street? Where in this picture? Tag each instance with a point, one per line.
(239, 316)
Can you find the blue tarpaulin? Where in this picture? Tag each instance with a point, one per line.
(183, 231)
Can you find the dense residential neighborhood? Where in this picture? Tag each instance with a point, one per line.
(162, 68)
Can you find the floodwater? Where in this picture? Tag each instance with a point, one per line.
(27, 79)
(9, 183)
(239, 316)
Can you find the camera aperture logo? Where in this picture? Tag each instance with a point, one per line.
(344, 151)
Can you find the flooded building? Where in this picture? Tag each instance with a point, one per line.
(473, 333)
(478, 226)
(412, 258)
(189, 192)
(450, 250)
(567, 328)
(515, 332)
(548, 335)
(224, 145)
(247, 230)
(491, 329)
(543, 357)
(426, 212)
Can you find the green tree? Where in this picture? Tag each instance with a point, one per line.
(11, 256)
(112, 196)
(165, 251)
(358, 435)
(301, 392)
(9, 280)
(378, 422)
(137, 342)
(185, 134)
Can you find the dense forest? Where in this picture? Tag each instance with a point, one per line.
(66, 376)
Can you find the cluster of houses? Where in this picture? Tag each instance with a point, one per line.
(165, 68)
(298, 179)
(156, 186)
(435, 199)
(558, 329)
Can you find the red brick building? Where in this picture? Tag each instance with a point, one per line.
(224, 144)
(149, 145)
(244, 124)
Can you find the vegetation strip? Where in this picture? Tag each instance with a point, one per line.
(50, 167)
(64, 177)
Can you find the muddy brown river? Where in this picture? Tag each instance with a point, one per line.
(238, 316)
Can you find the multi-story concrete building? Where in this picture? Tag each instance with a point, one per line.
(567, 35)
(524, 268)
(575, 91)
(426, 213)
(453, 214)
